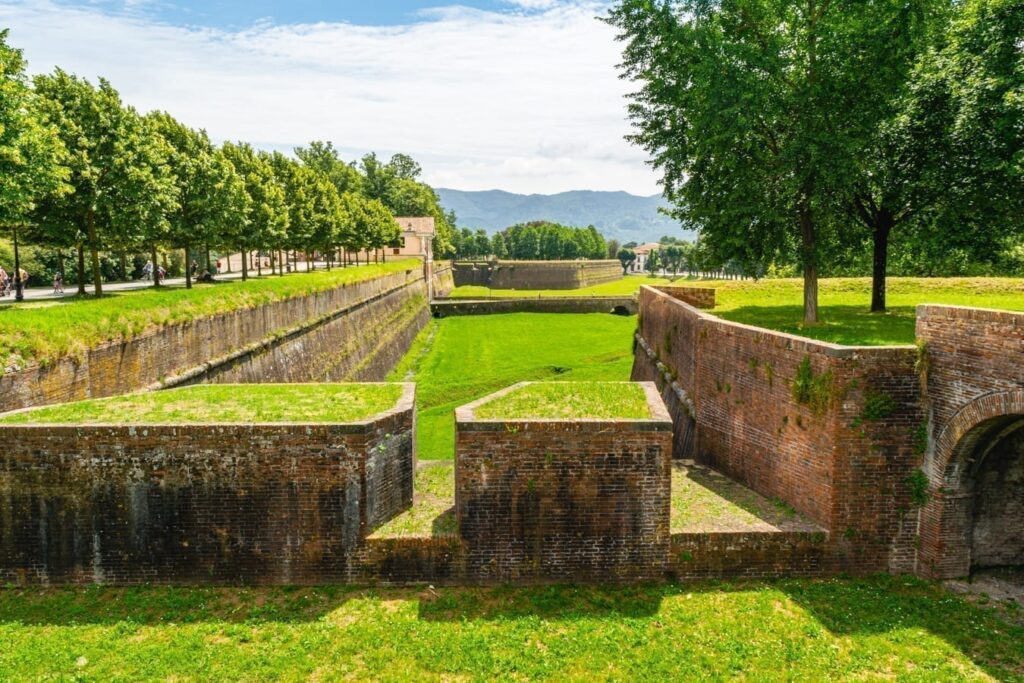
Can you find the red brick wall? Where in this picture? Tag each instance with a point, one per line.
(845, 462)
(739, 555)
(172, 350)
(536, 274)
(698, 297)
(198, 503)
(555, 500)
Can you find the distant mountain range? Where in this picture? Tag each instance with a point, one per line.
(619, 215)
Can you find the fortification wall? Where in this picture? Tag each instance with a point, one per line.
(621, 305)
(197, 504)
(536, 274)
(337, 333)
(578, 500)
(840, 450)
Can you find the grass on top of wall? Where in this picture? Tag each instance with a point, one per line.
(229, 403)
(569, 401)
(863, 629)
(45, 331)
(457, 360)
(844, 302)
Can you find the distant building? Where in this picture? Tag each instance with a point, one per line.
(642, 252)
(417, 237)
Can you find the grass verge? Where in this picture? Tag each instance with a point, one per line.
(460, 359)
(875, 628)
(569, 401)
(45, 331)
(236, 403)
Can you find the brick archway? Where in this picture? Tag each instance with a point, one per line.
(946, 519)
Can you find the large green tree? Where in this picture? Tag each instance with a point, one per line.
(31, 153)
(122, 184)
(755, 112)
(266, 220)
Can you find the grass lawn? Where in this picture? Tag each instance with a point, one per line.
(206, 403)
(844, 302)
(568, 401)
(460, 359)
(878, 628)
(46, 331)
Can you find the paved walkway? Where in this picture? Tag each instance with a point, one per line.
(71, 288)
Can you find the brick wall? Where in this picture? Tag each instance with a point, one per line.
(844, 459)
(536, 274)
(578, 500)
(192, 349)
(198, 503)
(698, 297)
(748, 555)
(974, 378)
(621, 305)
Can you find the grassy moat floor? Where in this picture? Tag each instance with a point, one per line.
(845, 302)
(890, 628)
(568, 401)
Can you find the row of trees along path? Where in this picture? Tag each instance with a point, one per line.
(81, 171)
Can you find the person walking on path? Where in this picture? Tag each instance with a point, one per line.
(58, 283)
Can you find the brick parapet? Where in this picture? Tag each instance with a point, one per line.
(536, 274)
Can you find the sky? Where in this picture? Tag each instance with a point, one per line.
(517, 95)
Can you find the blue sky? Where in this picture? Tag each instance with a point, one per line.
(518, 95)
(237, 14)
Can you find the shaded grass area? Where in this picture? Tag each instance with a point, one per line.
(46, 331)
(433, 507)
(239, 403)
(567, 401)
(845, 303)
(459, 359)
(884, 627)
(704, 500)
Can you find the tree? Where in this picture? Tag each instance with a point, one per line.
(755, 112)
(323, 158)
(266, 220)
(672, 258)
(32, 156)
(498, 247)
(653, 262)
(123, 189)
(613, 249)
(627, 257)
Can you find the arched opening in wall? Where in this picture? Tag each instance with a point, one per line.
(996, 479)
(621, 310)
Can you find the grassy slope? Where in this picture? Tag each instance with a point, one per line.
(45, 331)
(225, 403)
(578, 400)
(884, 627)
(777, 304)
(457, 360)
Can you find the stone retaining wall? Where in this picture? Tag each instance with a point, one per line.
(577, 500)
(536, 274)
(620, 305)
(253, 344)
(199, 504)
(843, 453)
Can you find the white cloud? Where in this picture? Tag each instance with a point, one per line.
(527, 101)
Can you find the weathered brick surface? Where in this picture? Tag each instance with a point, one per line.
(198, 503)
(536, 274)
(621, 305)
(739, 555)
(698, 297)
(172, 350)
(844, 462)
(974, 376)
(444, 280)
(579, 500)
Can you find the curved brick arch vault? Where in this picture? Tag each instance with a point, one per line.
(946, 518)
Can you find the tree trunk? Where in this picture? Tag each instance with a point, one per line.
(245, 265)
(259, 264)
(809, 256)
(97, 279)
(124, 267)
(156, 266)
(883, 226)
(81, 268)
(188, 267)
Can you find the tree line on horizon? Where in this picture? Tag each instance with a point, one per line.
(532, 241)
(832, 137)
(83, 174)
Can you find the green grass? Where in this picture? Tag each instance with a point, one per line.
(844, 303)
(569, 401)
(45, 331)
(877, 628)
(624, 287)
(433, 508)
(235, 403)
(460, 359)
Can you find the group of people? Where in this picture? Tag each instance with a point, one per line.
(8, 282)
(147, 272)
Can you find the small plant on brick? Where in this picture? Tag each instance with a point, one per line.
(814, 391)
(878, 406)
(918, 482)
(921, 438)
(923, 363)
